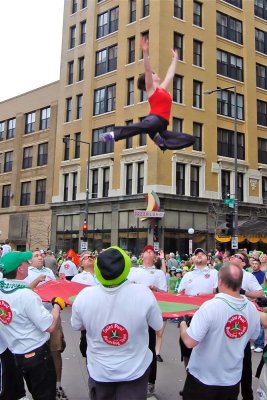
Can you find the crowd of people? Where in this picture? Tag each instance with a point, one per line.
(121, 324)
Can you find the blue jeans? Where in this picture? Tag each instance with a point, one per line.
(259, 342)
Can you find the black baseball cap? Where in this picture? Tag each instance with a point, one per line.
(199, 250)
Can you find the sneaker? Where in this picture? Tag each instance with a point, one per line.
(258, 350)
(106, 137)
(159, 141)
(150, 389)
(159, 358)
(252, 347)
(60, 394)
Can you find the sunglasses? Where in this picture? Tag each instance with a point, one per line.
(86, 258)
(239, 257)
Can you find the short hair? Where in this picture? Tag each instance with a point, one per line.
(141, 82)
(231, 275)
(11, 275)
(245, 256)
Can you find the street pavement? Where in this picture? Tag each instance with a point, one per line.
(170, 376)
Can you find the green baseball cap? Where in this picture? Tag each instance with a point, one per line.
(11, 261)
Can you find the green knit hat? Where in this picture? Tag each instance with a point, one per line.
(11, 261)
(112, 266)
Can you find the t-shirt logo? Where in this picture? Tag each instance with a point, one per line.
(114, 334)
(67, 266)
(5, 312)
(236, 326)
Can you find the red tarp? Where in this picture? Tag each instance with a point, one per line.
(171, 305)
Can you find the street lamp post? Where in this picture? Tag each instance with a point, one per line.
(234, 244)
(65, 140)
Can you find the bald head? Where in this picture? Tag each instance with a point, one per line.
(231, 276)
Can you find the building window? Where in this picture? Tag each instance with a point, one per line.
(180, 179)
(6, 196)
(30, 122)
(225, 183)
(262, 151)
(94, 183)
(8, 161)
(27, 157)
(80, 68)
(70, 72)
(132, 11)
(261, 113)
(197, 53)
(145, 12)
(11, 126)
(82, 32)
(197, 14)
(261, 76)
(68, 109)
(40, 191)
(106, 60)
(107, 22)
(25, 194)
(77, 151)
(74, 6)
(129, 141)
(79, 103)
(45, 118)
(261, 41)
(66, 142)
(229, 28)
(74, 185)
(240, 186)
(178, 44)
(177, 124)
(100, 147)
(142, 138)
(131, 50)
(105, 182)
(236, 3)
(194, 181)
(143, 95)
(84, 3)
(105, 99)
(65, 187)
(42, 158)
(264, 189)
(178, 89)
(197, 133)
(260, 8)
(72, 38)
(140, 177)
(145, 35)
(197, 94)
(226, 104)
(129, 178)
(2, 130)
(178, 9)
(130, 91)
(225, 144)
(229, 65)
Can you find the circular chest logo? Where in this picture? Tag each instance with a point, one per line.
(114, 334)
(5, 312)
(66, 266)
(207, 276)
(236, 326)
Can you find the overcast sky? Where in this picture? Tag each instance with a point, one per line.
(30, 44)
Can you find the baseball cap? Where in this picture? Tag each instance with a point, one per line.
(112, 266)
(149, 247)
(11, 261)
(199, 250)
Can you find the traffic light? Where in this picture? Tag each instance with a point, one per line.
(85, 227)
(229, 219)
(156, 233)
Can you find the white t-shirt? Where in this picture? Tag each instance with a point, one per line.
(68, 268)
(24, 321)
(86, 278)
(3, 347)
(148, 276)
(223, 326)
(6, 249)
(116, 322)
(199, 281)
(249, 282)
(33, 273)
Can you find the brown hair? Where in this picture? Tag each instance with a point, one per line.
(141, 82)
(231, 276)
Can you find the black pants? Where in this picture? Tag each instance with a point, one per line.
(39, 372)
(152, 347)
(11, 378)
(196, 390)
(246, 379)
(153, 124)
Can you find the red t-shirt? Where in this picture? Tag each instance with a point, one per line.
(160, 103)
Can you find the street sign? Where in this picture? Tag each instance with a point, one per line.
(156, 246)
(234, 243)
(229, 202)
(148, 214)
(84, 246)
